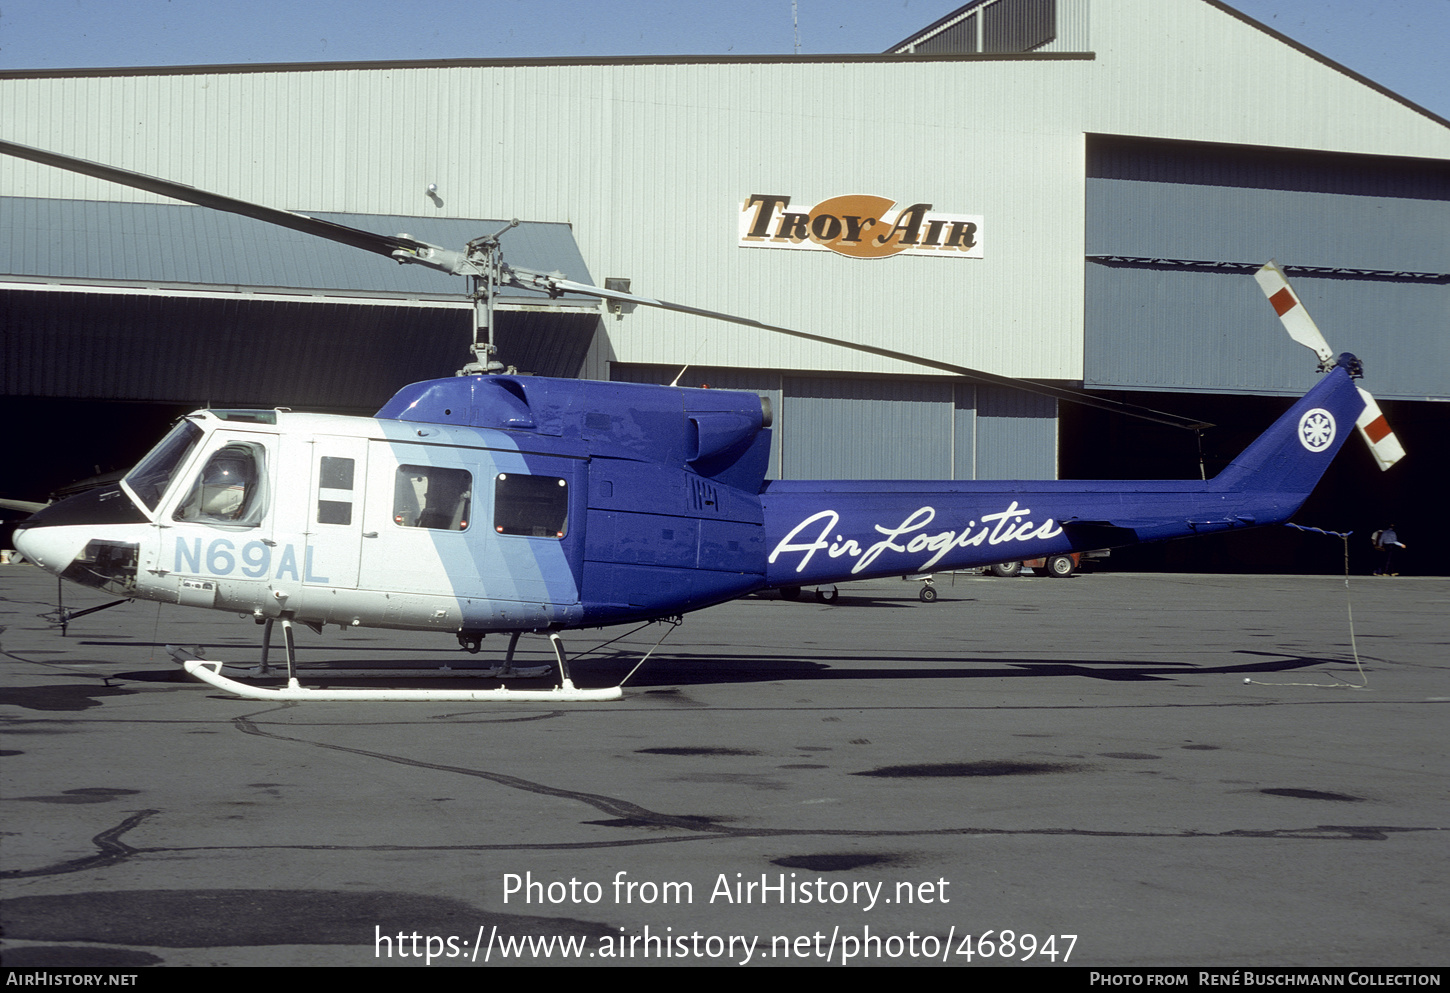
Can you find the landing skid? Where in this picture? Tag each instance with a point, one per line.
(209, 671)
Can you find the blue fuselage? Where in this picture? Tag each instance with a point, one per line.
(500, 503)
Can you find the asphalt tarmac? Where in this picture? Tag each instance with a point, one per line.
(1118, 769)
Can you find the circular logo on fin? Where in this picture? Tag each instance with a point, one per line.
(1316, 429)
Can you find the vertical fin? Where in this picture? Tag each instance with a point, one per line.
(1292, 455)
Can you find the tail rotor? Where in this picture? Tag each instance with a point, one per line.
(1373, 427)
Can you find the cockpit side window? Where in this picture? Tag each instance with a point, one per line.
(231, 488)
(148, 481)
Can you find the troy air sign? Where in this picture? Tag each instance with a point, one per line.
(860, 226)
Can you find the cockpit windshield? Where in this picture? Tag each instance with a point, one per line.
(148, 481)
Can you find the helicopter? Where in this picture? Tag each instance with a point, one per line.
(494, 503)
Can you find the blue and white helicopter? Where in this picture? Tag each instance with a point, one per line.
(491, 503)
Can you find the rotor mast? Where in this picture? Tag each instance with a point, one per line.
(486, 257)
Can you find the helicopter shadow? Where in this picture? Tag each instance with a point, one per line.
(608, 667)
(736, 668)
(845, 600)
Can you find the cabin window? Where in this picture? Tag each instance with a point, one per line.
(535, 506)
(334, 491)
(231, 488)
(428, 496)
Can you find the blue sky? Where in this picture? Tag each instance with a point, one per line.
(1401, 44)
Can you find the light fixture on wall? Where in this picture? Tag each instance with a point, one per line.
(618, 307)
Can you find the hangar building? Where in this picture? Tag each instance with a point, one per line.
(1080, 191)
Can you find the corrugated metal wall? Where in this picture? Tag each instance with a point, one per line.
(1190, 69)
(1197, 331)
(1190, 221)
(1016, 435)
(651, 165)
(867, 429)
(1166, 326)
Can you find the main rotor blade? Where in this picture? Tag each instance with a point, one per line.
(28, 506)
(416, 251)
(366, 240)
(546, 282)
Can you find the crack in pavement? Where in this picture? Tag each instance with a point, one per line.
(112, 851)
(607, 804)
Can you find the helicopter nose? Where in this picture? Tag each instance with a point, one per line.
(55, 535)
(53, 549)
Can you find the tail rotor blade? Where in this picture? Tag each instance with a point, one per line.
(1376, 432)
(1296, 319)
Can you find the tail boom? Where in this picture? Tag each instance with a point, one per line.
(829, 531)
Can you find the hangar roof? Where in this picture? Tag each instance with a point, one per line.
(1001, 27)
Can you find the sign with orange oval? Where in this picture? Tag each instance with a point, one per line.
(859, 226)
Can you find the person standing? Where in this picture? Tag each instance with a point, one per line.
(1387, 541)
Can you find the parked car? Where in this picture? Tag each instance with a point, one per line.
(1056, 566)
